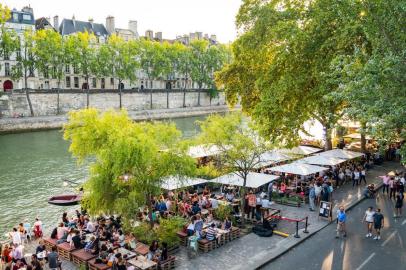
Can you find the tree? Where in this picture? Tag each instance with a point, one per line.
(152, 60)
(118, 59)
(81, 48)
(52, 56)
(241, 148)
(171, 65)
(282, 70)
(9, 40)
(200, 72)
(131, 159)
(185, 65)
(26, 63)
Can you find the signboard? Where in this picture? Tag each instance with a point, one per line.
(325, 210)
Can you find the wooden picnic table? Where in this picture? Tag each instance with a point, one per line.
(141, 249)
(127, 252)
(81, 256)
(65, 251)
(141, 262)
(97, 266)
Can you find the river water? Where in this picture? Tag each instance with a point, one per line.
(32, 168)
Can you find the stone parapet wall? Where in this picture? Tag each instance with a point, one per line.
(45, 103)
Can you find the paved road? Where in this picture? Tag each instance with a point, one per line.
(356, 252)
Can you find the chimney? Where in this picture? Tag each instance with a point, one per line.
(91, 20)
(56, 22)
(199, 35)
(73, 21)
(149, 34)
(213, 37)
(110, 25)
(158, 36)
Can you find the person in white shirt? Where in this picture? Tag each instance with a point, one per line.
(214, 203)
(369, 220)
(265, 202)
(16, 236)
(90, 226)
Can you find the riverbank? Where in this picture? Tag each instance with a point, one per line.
(26, 124)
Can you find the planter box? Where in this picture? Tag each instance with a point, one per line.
(287, 202)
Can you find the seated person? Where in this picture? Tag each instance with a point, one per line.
(209, 219)
(230, 196)
(164, 252)
(198, 224)
(131, 242)
(190, 230)
(227, 224)
(40, 248)
(213, 201)
(195, 208)
(153, 249)
(76, 241)
(61, 231)
(211, 233)
(91, 244)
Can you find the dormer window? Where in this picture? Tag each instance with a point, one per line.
(26, 17)
(15, 17)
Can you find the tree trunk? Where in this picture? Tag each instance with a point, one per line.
(327, 137)
(57, 98)
(27, 94)
(198, 96)
(119, 92)
(151, 222)
(87, 92)
(150, 98)
(243, 195)
(167, 98)
(363, 139)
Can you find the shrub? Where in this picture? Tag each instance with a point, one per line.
(166, 232)
(144, 233)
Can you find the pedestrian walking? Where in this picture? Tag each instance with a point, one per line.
(312, 197)
(392, 190)
(363, 176)
(369, 220)
(385, 180)
(355, 177)
(341, 220)
(398, 205)
(378, 223)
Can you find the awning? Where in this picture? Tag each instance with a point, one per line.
(298, 168)
(200, 151)
(272, 157)
(343, 154)
(173, 183)
(254, 180)
(321, 160)
(301, 150)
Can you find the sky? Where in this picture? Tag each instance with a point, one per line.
(171, 17)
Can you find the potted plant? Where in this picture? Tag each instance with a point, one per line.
(167, 229)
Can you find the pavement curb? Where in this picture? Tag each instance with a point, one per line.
(349, 207)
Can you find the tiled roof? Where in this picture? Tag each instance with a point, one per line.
(68, 27)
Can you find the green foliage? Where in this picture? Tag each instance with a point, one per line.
(132, 159)
(223, 211)
(167, 229)
(145, 234)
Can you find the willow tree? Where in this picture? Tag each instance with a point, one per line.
(131, 159)
(240, 148)
(282, 72)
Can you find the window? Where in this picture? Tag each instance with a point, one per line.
(15, 17)
(150, 85)
(31, 70)
(67, 82)
(18, 54)
(94, 83)
(46, 84)
(76, 82)
(75, 70)
(6, 56)
(112, 81)
(26, 17)
(67, 69)
(53, 72)
(7, 69)
(103, 83)
(46, 73)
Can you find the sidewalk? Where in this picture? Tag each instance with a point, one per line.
(252, 251)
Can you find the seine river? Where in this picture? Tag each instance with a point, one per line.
(32, 168)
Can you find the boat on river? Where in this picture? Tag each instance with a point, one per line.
(65, 200)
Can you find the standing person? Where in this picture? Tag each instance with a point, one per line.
(363, 176)
(53, 259)
(385, 180)
(270, 190)
(312, 197)
(252, 203)
(16, 236)
(355, 177)
(392, 190)
(341, 220)
(378, 223)
(369, 220)
(398, 205)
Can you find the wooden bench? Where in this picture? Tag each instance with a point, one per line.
(206, 245)
(50, 243)
(168, 264)
(65, 251)
(81, 256)
(97, 266)
(183, 237)
(235, 233)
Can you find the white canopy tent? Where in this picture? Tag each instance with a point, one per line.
(321, 160)
(254, 180)
(343, 154)
(272, 157)
(200, 151)
(298, 168)
(301, 150)
(356, 136)
(173, 182)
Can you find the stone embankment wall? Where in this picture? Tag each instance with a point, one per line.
(46, 103)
